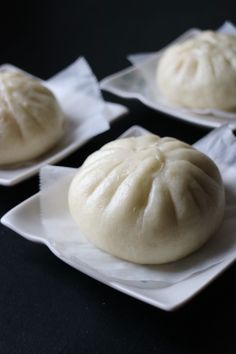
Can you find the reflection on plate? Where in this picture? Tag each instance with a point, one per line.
(25, 219)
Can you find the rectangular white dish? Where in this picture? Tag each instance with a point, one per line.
(139, 81)
(25, 219)
(69, 144)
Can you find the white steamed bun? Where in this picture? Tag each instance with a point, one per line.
(31, 121)
(147, 200)
(200, 72)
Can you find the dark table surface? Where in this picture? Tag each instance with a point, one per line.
(46, 306)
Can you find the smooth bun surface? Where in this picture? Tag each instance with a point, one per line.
(147, 200)
(200, 73)
(31, 120)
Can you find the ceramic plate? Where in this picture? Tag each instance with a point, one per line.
(138, 81)
(25, 219)
(14, 175)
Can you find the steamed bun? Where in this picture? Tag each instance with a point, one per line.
(31, 121)
(200, 72)
(147, 200)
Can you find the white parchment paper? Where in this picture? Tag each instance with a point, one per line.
(63, 234)
(78, 92)
(139, 81)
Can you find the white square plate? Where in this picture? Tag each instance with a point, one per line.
(70, 142)
(139, 81)
(25, 219)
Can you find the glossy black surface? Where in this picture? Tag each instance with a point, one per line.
(46, 306)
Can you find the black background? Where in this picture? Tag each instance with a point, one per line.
(46, 306)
